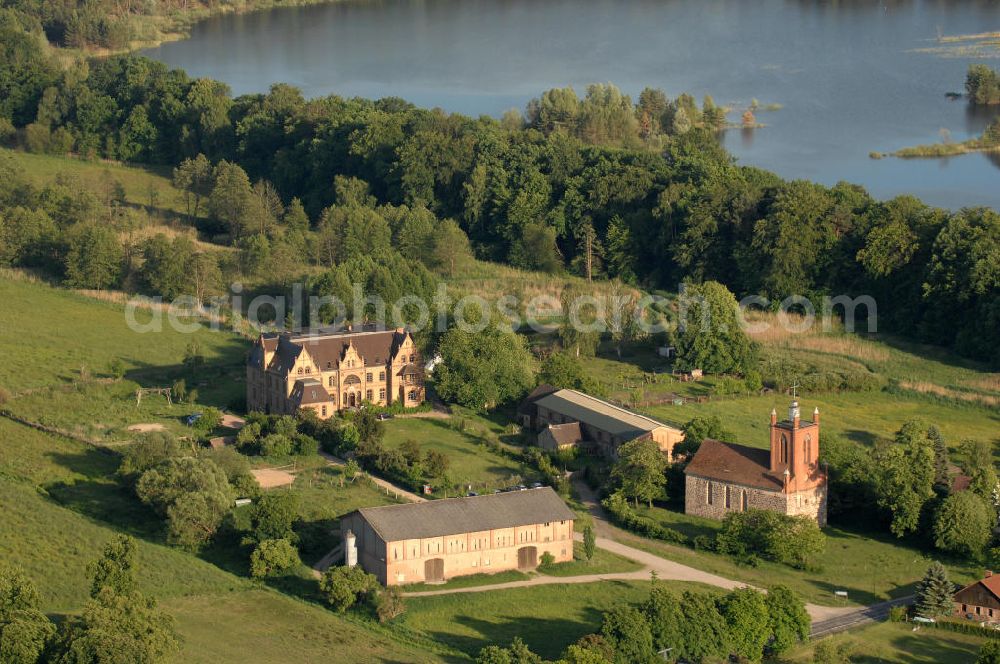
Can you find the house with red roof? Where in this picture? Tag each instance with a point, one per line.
(980, 600)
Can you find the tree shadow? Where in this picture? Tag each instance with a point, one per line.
(547, 637)
(866, 438)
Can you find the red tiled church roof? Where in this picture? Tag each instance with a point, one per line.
(738, 464)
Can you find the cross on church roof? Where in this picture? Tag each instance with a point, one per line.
(795, 387)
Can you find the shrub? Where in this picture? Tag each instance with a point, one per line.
(622, 514)
(389, 604)
(276, 445)
(792, 540)
(547, 561)
(343, 586)
(898, 613)
(306, 445)
(272, 557)
(209, 420)
(703, 543)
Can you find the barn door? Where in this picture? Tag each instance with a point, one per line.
(527, 557)
(434, 569)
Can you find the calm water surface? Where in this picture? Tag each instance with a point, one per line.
(845, 73)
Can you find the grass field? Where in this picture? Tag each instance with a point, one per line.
(869, 566)
(548, 618)
(471, 462)
(63, 381)
(898, 643)
(94, 175)
(47, 335)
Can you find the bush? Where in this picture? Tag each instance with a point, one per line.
(389, 604)
(898, 613)
(272, 557)
(306, 445)
(792, 540)
(703, 543)
(344, 586)
(547, 561)
(276, 445)
(622, 514)
(209, 420)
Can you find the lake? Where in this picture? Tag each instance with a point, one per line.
(850, 76)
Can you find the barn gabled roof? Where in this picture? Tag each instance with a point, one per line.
(453, 516)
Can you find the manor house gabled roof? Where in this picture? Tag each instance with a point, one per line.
(327, 348)
(599, 414)
(453, 516)
(736, 464)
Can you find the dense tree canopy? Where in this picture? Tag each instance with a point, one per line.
(602, 185)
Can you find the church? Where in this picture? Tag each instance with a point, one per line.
(725, 477)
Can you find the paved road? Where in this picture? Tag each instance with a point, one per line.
(856, 617)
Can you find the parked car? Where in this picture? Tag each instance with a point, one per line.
(191, 419)
(382, 417)
(471, 494)
(537, 485)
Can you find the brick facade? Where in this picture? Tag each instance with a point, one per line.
(333, 371)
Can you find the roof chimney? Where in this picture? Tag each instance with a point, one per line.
(793, 412)
(816, 415)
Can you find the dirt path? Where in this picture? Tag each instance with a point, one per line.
(385, 484)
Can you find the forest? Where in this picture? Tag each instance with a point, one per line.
(595, 185)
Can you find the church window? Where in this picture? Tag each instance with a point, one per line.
(331, 381)
(308, 370)
(784, 448)
(728, 501)
(708, 493)
(743, 501)
(299, 371)
(809, 448)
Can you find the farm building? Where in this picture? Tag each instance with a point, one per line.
(442, 539)
(980, 600)
(595, 423)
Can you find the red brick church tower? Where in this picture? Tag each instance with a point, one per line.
(795, 450)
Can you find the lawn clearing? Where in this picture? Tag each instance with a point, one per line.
(603, 562)
(47, 335)
(548, 617)
(898, 643)
(471, 462)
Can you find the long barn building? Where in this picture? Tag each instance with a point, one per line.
(442, 539)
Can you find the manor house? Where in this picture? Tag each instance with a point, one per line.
(329, 371)
(725, 477)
